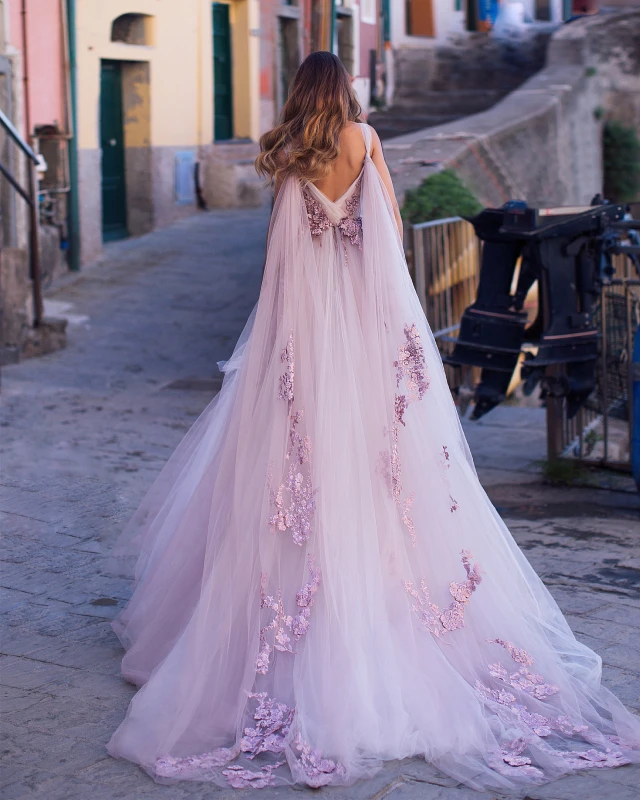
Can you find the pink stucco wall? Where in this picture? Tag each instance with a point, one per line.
(44, 45)
(368, 41)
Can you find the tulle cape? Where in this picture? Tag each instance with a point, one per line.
(321, 582)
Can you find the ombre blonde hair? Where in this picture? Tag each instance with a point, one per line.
(320, 104)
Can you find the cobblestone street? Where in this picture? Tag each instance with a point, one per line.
(85, 430)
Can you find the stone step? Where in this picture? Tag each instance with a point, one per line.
(459, 102)
(388, 124)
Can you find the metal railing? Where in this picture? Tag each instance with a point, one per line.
(29, 195)
(444, 260)
(601, 431)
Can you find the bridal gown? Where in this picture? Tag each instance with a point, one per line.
(321, 582)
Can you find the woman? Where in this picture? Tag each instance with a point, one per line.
(307, 605)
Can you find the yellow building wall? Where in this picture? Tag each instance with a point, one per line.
(180, 58)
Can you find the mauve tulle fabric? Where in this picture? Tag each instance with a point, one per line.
(321, 583)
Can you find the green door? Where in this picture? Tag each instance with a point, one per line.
(222, 81)
(114, 197)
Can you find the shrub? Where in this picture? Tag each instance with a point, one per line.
(439, 196)
(621, 162)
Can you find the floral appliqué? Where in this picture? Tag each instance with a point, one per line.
(300, 446)
(318, 770)
(241, 778)
(273, 722)
(172, 766)
(286, 383)
(270, 733)
(296, 514)
(350, 226)
(435, 620)
(284, 624)
(533, 685)
(445, 463)
(410, 367)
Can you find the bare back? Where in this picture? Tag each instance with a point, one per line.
(347, 166)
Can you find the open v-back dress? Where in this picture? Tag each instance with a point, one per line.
(321, 582)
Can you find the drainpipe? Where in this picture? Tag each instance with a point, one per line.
(25, 71)
(32, 184)
(332, 26)
(73, 210)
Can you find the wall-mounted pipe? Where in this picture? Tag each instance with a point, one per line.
(74, 206)
(25, 70)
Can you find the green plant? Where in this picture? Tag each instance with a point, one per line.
(439, 196)
(590, 72)
(621, 162)
(598, 112)
(563, 472)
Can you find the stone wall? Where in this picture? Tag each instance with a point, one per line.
(542, 143)
(16, 308)
(150, 182)
(230, 179)
(473, 62)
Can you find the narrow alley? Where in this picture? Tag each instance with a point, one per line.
(85, 430)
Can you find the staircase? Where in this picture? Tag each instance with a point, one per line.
(431, 108)
(466, 75)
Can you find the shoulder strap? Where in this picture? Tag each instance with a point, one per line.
(366, 132)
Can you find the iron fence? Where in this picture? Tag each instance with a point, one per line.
(444, 259)
(601, 431)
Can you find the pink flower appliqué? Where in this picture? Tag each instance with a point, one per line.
(318, 770)
(435, 620)
(410, 367)
(284, 624)
(411, 364)
(350, 226)
(296, 515)
(286, 383)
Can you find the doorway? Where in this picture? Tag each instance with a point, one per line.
(419, 18)
(288, 56)
(114, 190)
(222, 73)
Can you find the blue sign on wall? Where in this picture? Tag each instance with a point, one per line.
(488, 10)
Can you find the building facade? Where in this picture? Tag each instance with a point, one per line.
(147, 110)
(33, 93)
(145, 114)
(34, 102)
(290, 31)
(416, 23)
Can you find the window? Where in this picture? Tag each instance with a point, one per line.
(368, 11)
(288, 56)
(185, 178)
(344, 35)
(132, 29)
(419, 18)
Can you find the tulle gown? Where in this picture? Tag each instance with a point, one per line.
(321, 582)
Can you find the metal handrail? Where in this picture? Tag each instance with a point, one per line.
(13, 132)
(433, 223)
(30, 198)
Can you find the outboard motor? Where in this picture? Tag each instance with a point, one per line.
(568, 251)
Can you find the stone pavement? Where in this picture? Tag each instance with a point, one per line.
(84, 431)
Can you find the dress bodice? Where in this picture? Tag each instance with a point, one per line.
(342, 214)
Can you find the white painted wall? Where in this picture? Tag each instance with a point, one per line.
(448, 21)
(445, 18)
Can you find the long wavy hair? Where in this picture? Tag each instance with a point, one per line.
(320, 104)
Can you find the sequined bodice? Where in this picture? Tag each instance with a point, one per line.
(342, 215)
